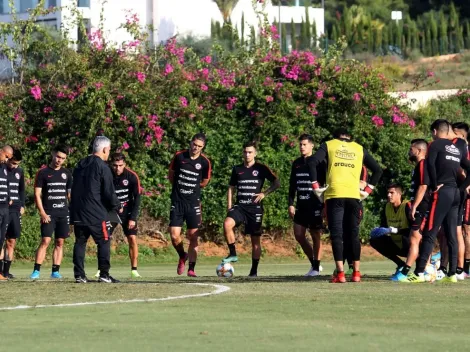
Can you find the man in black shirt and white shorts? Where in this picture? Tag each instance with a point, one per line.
(248, 179)
(52, 194)
(189, 171)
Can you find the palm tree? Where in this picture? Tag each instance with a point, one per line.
(226, 7)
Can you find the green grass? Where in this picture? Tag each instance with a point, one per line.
(279, 311)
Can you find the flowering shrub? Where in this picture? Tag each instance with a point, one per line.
(150, 102)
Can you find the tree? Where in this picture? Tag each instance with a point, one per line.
(226, 7)
(293, 38)
(314, 35)
(443, 38)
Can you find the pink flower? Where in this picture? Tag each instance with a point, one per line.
(269, 99)
(47, 110)
(377, 120)
(204, 87)
(168, 69)
(140, 76)
(356, 96)
(319, 94)
(130, 129)
(412, 123)
(207, 59)
(125, 146)
(36, 92)
(231, 103)
(337, 68)
(184, 101)
(430, 74)
(284, 138)
(98, 85)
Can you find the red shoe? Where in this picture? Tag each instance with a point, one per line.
(192, 273)
(3, 278)
(339, 278)
(356, 276)
(181, 264)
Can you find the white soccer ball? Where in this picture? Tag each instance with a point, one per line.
(430, 273)
(225, 270)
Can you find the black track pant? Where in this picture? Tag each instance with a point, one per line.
(344, 217)
(389, 249)
(444, 211)
(100, 234)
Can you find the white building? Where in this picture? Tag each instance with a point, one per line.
(168, 17)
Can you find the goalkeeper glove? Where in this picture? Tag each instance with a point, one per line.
(366, 192)
(319, 190)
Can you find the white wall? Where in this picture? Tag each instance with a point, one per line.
(421, 98)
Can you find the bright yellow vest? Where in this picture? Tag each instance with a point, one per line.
(397, 219)
(344, 169)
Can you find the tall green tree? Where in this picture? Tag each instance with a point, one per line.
(293, 35)
(434, 35)
(226, 7)
(443, 36)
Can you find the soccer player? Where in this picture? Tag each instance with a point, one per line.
(443, 161)
(391, 239)
(307, 212)
(4, 200)
(419, 201)
(93, 201)
(343, 196)
(248, 179)
(127, 186)
(16, 209)
(461, 131)
(52, 195)
(189, 171)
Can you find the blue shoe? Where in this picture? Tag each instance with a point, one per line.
(398, 276)
(35, 275)
(56, 275)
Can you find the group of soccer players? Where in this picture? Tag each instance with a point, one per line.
(326, 189)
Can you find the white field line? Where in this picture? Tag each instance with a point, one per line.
(219, 289)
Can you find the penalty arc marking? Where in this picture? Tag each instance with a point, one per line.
(218, 290)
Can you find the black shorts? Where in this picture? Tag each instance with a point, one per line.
(251, 216)
(181, 212)
(466, 212)
(310, 218)
(419, 223)
(59, 226)
(4, 216)
(14, 225)
(125, 228)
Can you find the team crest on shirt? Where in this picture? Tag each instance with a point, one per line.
(17, 175)
(64, 176)
(452, 149)
(255, 173)
(125, 182)
(198, 166)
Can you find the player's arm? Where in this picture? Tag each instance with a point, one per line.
(231, 188)
(39, 183)
(171, 169)
(69, 187)
(109, 193)
(21, 191)
(422, 187)
(320, 156)
(465, 164)
(372, 165)
(292, 191)
(206, 173)
(275, 184)
(135, 192)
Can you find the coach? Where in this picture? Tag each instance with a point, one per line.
(93, 199)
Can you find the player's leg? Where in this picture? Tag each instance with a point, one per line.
(193, 237)
(61, 230)
(3, 230)
(335, 214)
(233, 219)
(460, 252)
(176, 224)
(440, 207)
(352, 221)
(450, 229)
(253, 222)
(82, 233)
(299, 234)
(131, 235)
(316, 231)
(102, 239)
(442, 272)
(388, 248)
(46, 234)
(12, 235)
(193, 218)
(113, 227)
(466, 233)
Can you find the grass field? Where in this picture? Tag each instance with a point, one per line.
(279, 311)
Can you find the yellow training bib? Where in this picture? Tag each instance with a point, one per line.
(397, 219)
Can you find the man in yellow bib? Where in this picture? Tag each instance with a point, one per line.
(343, 196)
(392, 239)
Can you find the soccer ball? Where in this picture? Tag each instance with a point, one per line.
(430, 273)
(225, 270)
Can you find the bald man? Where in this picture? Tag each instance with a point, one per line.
(5, 153)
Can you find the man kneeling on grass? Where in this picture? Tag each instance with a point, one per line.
(391, 239)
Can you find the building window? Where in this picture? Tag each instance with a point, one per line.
(27, 4)
(83, 3)
(51, 3)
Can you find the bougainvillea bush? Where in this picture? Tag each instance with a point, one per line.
(150, 101)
